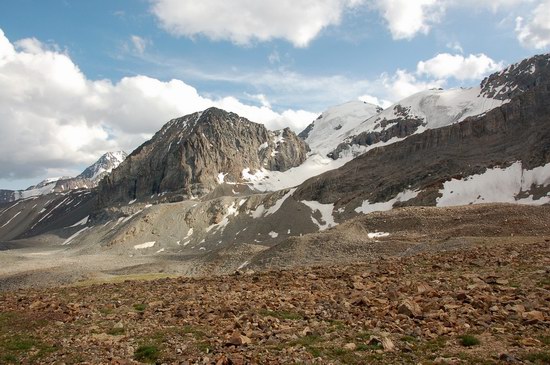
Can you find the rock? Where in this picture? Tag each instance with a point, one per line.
(424, 288)
(508, 358)
(529, 342)
(350, 346)
(534, 316)
(447, 360)
(36, 305)
(118, 326)
(410, 308)
(383, 341)
(237, 339)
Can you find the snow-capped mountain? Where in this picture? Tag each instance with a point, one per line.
(89, 178)
(439, 108)
(334, 125)
(455, 147)
(103, 166)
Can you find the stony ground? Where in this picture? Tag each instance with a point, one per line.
(484, 304)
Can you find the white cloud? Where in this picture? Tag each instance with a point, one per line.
(139, 43)
(407, 18)
(375, 100)
(535, 32)
(245, 21)
(274, 57)
(455, 46)
(445, 65)
(404, 84)
(52, 118)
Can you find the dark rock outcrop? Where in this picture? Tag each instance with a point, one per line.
(194, 154)
(400, 129)
(517, 78)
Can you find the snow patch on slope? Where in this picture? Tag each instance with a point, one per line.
(368, 207)
(145, 245)
(326, 214)
(496, 185)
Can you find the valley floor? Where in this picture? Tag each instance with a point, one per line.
(485, 302)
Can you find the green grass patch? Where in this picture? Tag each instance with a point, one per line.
(196, 332)
(9, 359)
(116, 331)
(13, 347)
(469, 340)
(409, 339)
(203, 346)
(336, 325)
(539, 357)
(19, 344)
(367, 347)
(293, 316)
(147, 353)
(363, 336)
(140, 307)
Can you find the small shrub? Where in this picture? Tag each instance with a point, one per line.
(149, 353)
(469, 340)
(140, 307)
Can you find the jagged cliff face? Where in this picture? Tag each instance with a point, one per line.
(194, 154)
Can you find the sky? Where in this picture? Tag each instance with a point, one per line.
(81, 78)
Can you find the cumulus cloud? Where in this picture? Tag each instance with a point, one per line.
(404, 83)
(245, 21)
(53, 118)
(445, 65)
(535, 31)
(407, 18)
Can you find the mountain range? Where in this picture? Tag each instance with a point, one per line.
(212, 192)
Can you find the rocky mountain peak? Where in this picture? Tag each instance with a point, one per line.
(189, 154)
(103, 166)
(517, 78)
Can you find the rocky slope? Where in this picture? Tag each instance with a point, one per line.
(194, 154)
(486, 303)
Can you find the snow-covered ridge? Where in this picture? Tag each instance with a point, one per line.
(436, 107)
(335, 124)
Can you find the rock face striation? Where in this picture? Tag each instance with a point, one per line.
(193, 154)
